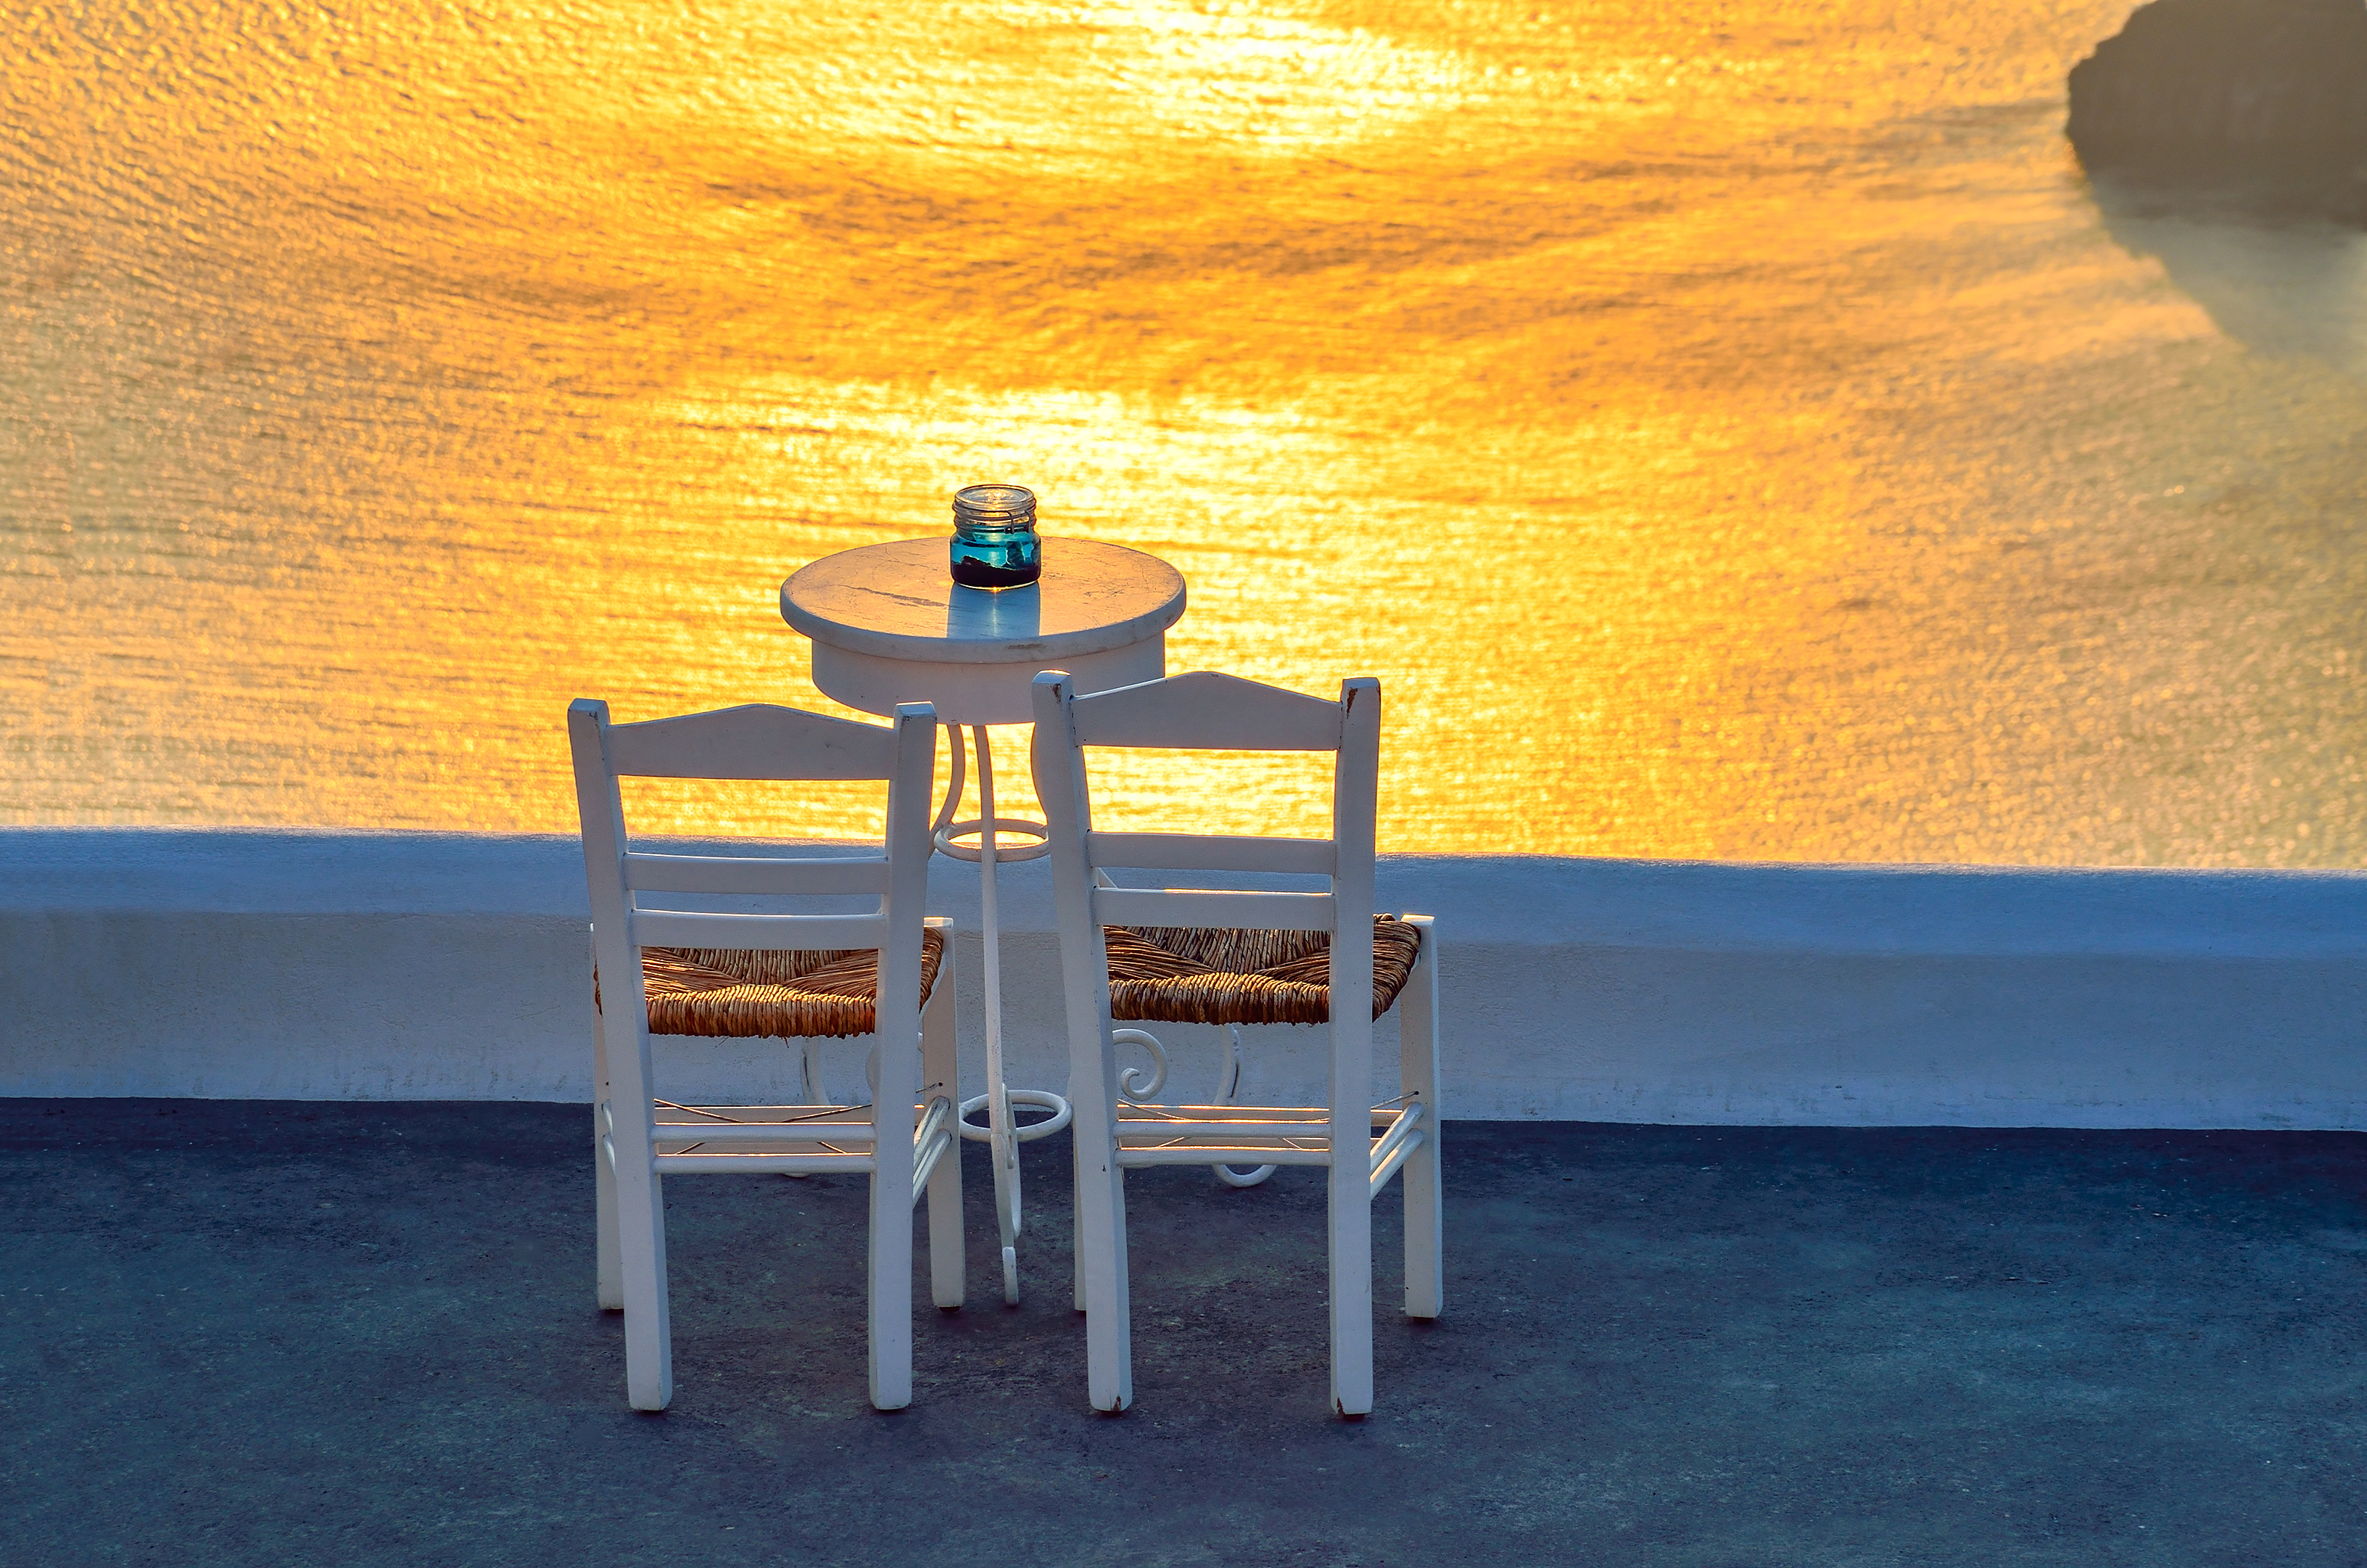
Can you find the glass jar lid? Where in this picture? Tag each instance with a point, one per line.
(995, 505)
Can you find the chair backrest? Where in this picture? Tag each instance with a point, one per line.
(758, 741)
(1207, 712)
(1216, 712)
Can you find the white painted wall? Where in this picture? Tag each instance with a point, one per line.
(429, 966)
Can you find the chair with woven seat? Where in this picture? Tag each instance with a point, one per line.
(683, 966)
(1233, 956)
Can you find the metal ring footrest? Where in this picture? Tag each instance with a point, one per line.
(1004, 854)
(1043, 1099)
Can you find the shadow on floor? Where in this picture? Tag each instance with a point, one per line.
(359, 1334)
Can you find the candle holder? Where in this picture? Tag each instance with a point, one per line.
(994, 543)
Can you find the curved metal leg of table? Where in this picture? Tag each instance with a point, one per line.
(1229, 1083)
(1002, 1133)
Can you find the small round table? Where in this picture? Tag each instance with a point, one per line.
(889, 625)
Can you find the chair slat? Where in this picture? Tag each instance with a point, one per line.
(755, 741)
(1248, 1115)
(684, 929)
(1196, 852)
(854, 1134)
(1257, 911)
(1207, 712)
(1221, 1153)
(709, 1115)
(758, 1165)
(733, 873)
(1236, 1132)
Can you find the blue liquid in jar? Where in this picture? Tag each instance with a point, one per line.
(995, 544)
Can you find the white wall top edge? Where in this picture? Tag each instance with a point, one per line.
(1496, 900)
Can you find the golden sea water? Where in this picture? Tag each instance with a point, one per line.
(1726, 429)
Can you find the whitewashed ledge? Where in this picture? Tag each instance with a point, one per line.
(438, 966)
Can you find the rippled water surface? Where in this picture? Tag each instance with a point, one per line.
(1725, 429)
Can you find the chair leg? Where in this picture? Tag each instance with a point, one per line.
(1425, 1227)
(948, 1287)
(890, 1297)
(611, 1286)
(1101, 1216)
(1351, 1278)
(649, 1331)
(641, 1208)
(1077, 1222)
(1350, 1206)
(891, 1292)
(939, 1080)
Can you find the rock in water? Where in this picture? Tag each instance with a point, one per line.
(2273, 89)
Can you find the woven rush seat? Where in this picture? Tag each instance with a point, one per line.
(742, 993)
(1182, 975)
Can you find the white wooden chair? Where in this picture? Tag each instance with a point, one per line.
(1188, 953)
(885, 973)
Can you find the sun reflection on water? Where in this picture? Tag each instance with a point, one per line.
(1726, 430)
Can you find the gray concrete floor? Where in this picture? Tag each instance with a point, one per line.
(338, 1334)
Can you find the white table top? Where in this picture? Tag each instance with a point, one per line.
(899, 601)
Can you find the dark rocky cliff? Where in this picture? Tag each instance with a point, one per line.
(2217, 88)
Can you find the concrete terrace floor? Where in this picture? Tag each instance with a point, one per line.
(364, 1333)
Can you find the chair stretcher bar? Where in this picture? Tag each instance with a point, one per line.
(1267, 1141)
(738, 1132)
(693, 1164)
(1232, 1154)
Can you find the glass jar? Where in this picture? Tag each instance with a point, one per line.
(994, 537)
